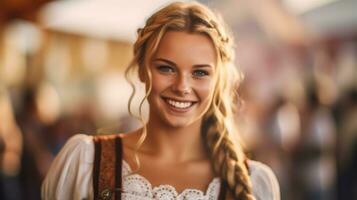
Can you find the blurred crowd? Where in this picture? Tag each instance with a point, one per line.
(298, 113)
(29, 142)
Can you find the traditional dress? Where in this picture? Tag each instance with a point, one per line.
(71, 177)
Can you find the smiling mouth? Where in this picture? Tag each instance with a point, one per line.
(179, 104)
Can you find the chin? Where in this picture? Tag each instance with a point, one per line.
(179, 122)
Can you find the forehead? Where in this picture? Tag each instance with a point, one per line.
(187, 48)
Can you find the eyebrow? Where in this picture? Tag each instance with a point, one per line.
(172, 63)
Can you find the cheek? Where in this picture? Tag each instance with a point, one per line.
(159, 83)
(205, 89)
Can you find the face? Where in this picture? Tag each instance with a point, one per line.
(183, 79)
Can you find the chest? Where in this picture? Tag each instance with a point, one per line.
(181, 176)
(113, 177)
(136, 186)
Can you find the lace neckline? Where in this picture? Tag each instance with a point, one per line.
(136, 185)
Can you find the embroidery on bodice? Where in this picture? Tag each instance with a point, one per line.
(137, 187)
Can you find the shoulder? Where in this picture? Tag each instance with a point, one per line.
(130, 139)
(264, 182)
(79, 145)
(80, 139)
(71, 166)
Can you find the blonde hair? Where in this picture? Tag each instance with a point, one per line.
(228, 158)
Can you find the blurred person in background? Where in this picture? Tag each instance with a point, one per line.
(44, 132)
(315, 155)
(35, 119)
(184, 56)
(345, 113)
(36, 156)
(10, 150)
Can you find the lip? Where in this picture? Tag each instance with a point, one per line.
(180, 100)
(178, 110)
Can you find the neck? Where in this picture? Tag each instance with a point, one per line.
(178, 144)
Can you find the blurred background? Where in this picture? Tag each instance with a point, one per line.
(61, 73)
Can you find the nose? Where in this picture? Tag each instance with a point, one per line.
(182, 85)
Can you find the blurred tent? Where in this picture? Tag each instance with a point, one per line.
(337, 19)
(106, 19)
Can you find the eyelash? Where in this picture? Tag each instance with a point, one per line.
(201, 73)
(168, 69)
(164, 68)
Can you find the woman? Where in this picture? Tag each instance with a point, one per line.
(186, 150)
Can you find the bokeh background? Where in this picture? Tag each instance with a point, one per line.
(61, 73)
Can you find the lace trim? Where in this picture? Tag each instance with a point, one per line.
(136, 186)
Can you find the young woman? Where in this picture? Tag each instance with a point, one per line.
(187, 149)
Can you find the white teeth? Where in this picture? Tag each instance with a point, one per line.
(178, 104)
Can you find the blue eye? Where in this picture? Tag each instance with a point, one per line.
(165, 69)
(200, 73)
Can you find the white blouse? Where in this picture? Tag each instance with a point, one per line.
(70, 177)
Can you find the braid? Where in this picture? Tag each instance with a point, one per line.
(229, 161)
